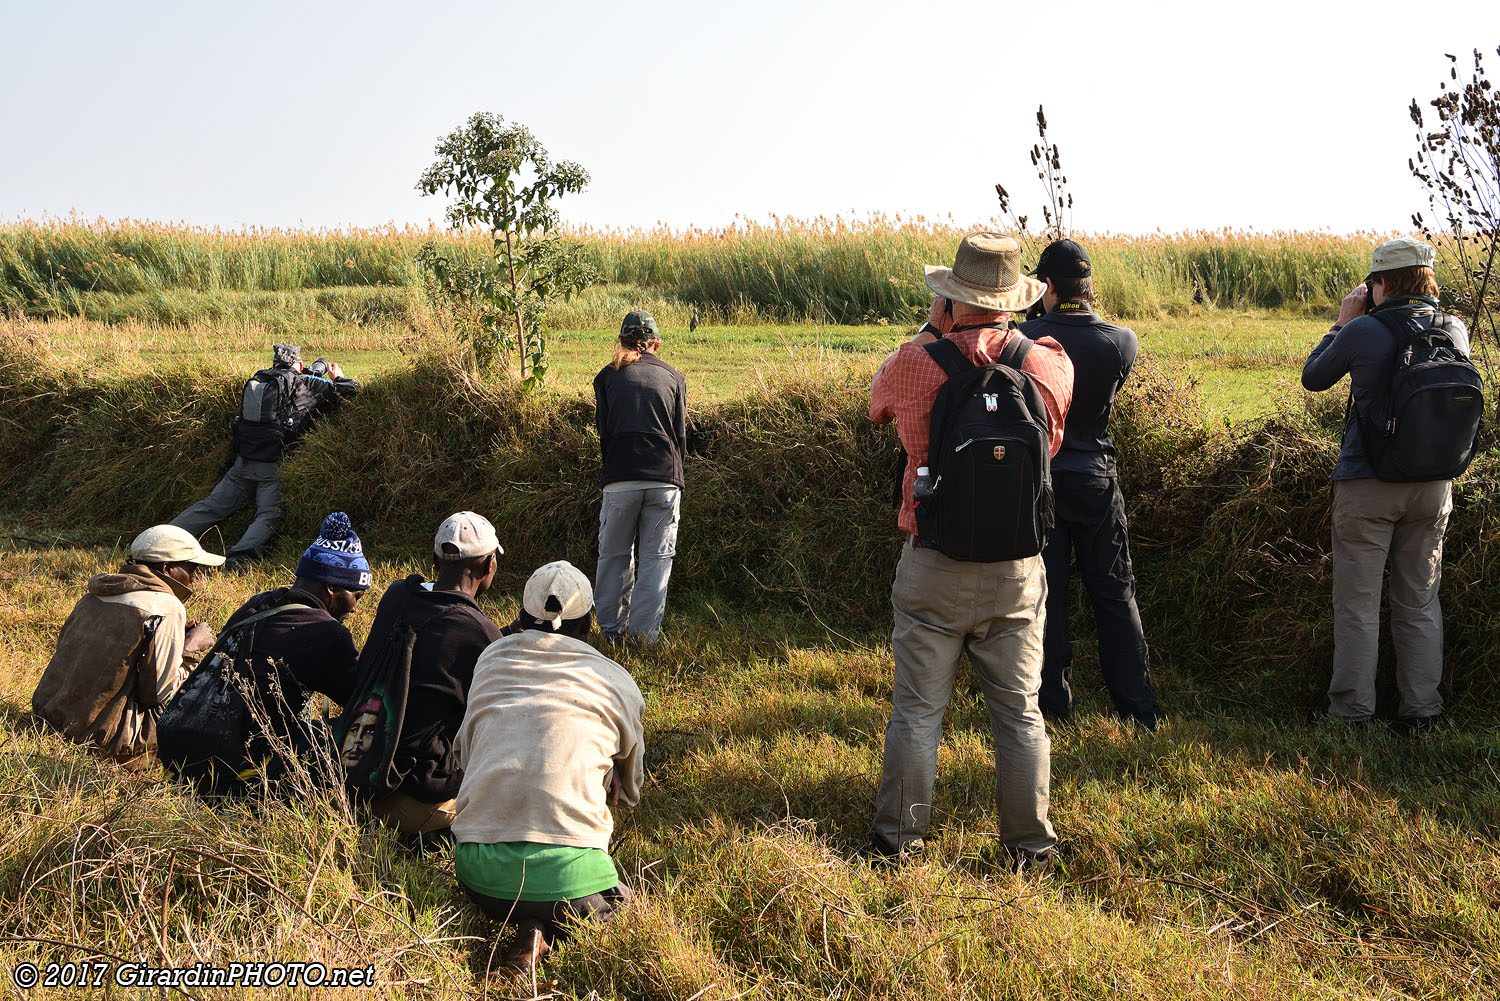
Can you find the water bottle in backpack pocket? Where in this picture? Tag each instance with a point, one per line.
(990, 495)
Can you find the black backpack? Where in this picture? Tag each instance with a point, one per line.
(203, 734)
(368, 730)
(988, 459)
(276, 409)
(1426, 427)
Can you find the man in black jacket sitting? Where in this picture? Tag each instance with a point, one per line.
(277, 407)
(297, 645)
(451, 632)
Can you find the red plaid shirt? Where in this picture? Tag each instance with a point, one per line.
(907, 383)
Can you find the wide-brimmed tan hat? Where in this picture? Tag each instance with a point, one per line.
(986, 273)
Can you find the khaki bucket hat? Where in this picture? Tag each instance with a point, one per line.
(986, 273)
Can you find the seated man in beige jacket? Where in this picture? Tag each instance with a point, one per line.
(551, 739)
(126, 648)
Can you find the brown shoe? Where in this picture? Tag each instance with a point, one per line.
(528, 949)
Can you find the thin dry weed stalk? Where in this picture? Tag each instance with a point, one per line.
(1458, 162)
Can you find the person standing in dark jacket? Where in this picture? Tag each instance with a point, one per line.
(1376, 522)
(277, 407)
(1090, 509)
(641, 413)
(451, 633)
(302, 648)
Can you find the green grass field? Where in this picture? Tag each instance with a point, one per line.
(1244, 850)
(1244, 360)
(1231, 854)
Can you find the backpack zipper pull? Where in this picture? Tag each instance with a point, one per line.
(963, 446)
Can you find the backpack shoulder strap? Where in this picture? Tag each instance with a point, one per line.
(1408, 328)
(145, 691)
(1013, 355)
(949, 357)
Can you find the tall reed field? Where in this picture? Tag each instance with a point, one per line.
(1240, 851)
(784, 270)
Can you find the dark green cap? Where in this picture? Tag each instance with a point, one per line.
(639, 319)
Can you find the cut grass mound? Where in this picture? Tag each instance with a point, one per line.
(790, 502)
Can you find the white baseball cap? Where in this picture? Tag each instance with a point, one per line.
(562, 586)
(170, 544)
(468, 534)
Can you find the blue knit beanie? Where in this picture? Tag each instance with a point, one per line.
(336, 558)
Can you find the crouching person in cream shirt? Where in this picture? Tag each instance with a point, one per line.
(551, 739)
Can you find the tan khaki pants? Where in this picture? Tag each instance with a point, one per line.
(1374, 521)
(411, 816)
(997, 612)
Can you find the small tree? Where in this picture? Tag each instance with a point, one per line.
(503, 180)
(1458, 161)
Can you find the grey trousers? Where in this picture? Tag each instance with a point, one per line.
(245, 480)
(637, 541)
(1403, 523)
(997, 612)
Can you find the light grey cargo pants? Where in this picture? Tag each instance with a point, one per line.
(246, 479)
(637, 541)
(1403, 523)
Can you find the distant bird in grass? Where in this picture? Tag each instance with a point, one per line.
(693, 323)
(1199, 296)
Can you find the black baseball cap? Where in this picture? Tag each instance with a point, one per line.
(1063, 259)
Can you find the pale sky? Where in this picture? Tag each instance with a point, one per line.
(1169, 115)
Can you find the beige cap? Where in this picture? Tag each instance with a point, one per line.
(556, 592)
(1403, 252)
(468, 534)
(170, 544)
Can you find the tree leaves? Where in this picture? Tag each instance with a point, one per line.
(502, 179)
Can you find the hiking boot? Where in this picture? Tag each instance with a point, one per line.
(1034, 863)
(1419, 726)
(881, 855)
(235, 562)
(528, 949)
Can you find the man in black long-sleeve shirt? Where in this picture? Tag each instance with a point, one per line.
(1090, 508)
(641, 413)
(451, 633)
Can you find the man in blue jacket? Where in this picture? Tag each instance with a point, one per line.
(1375, 521)
(1091, 524)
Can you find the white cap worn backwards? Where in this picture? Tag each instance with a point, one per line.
(465, 535)
(556, 592)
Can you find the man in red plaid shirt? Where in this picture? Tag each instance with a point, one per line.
(942, 606)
